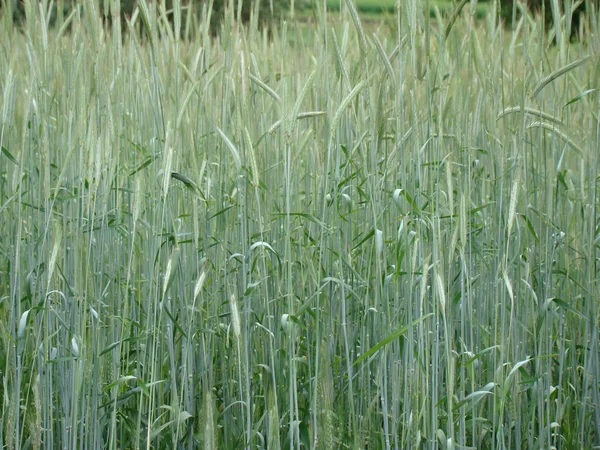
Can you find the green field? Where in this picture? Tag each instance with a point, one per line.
(388, 6)
(303, 237)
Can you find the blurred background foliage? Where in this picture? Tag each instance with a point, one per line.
(510, 9)
(273, 10)
(269, 10)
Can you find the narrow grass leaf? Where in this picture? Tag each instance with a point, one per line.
(234, 152)
(10, 157)
(22, 325)
(580, 96)
(188, 183)
(475, 397)
(395, 335)
(567, 307)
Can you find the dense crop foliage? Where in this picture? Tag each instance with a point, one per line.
(312, 236)
(190, 11)
(572, 13)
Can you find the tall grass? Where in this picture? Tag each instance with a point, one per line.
(319, 235)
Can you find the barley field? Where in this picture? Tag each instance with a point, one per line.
(310, 235)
